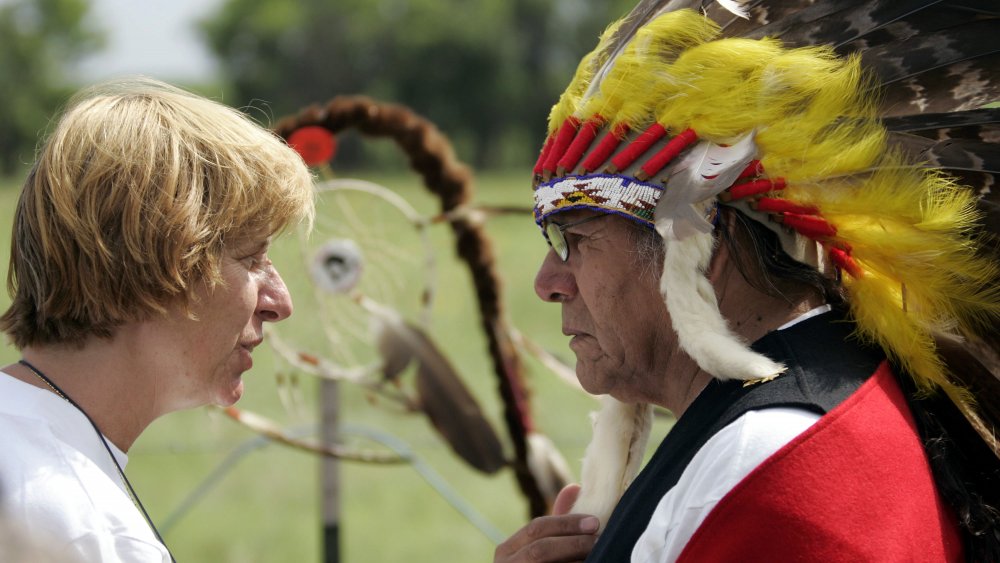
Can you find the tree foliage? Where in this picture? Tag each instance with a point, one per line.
(485, 72)
(40, 40)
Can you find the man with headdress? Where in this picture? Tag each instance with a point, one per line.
(741, 236)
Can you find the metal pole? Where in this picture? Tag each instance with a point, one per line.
(330, 471)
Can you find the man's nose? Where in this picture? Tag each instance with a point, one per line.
(554, 282)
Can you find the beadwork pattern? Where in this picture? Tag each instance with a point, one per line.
(608, 191)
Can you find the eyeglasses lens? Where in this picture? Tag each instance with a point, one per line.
(556, 239)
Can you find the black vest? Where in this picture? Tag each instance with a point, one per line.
(825, 366)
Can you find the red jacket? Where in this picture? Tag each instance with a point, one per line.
(810, 503)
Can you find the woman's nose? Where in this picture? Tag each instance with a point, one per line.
(274, 302)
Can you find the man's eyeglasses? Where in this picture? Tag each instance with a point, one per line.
(554, 233)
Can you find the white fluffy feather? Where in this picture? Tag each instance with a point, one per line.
(736, 7)
(694, 313)
(613, 458)
(547, 465)
(704, 171)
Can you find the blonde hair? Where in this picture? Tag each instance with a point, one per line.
(131, 203)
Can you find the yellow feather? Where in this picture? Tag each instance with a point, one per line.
(912, 228)
(631, 87)
(876, 304)
(875, 307)
(712, 88)
(570, 98)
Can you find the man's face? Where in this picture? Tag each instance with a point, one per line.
(611, 307)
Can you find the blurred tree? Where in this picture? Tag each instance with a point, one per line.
(40, 40)
(485, 72)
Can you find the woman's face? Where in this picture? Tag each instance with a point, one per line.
(213, 339)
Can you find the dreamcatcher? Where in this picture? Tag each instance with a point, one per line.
(371, 262)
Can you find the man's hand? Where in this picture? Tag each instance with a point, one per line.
(560, 537)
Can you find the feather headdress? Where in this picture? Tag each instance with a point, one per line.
(854, 130)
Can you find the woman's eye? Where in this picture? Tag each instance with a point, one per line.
(255, 261)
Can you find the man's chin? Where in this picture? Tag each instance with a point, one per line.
(590, 383)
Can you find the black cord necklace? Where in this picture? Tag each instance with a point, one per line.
(121, 473)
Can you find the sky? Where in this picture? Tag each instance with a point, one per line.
(151, 37)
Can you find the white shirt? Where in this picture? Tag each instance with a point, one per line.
(57, 480)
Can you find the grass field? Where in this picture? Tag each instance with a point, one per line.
(248, 500)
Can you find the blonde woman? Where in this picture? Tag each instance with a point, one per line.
(140, 280)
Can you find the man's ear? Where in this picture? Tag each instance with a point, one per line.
(721, 255)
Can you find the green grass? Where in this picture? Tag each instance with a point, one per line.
(267, 505)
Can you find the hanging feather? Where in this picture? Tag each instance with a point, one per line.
(455, 413)
(267, 427)
(394, 346)
(547, 465)
(452, 410)
(699, 176)
(702, 332)
(613, 457)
